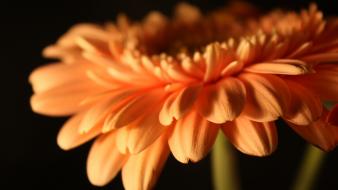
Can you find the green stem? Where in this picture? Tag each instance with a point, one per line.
(223, 165)
(309, 169)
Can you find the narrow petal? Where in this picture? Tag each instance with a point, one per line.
(192, 138)
(69, 136)
(142, 170)
(104, 160)
(214, 59)
(252, 138)
(319, 133)
(63, 100)
(304, 107)
(291, 68)
(223, 101)
(267, 97)
(165, 115)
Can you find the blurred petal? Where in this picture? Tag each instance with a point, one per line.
(104, 160)
(223, 101)
(192, 138)
(305, 107)
(63, 100)
(319, 133)
(56, 74)
(288, 68)
(250, 137)
(267, 97)
(333, 116)
(142, 170)
(69, 136)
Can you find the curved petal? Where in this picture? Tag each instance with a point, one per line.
(134, 109)
(324, 82)
(142, 170)
(52, 75)
(319, 133)
(165, 115)
(184, 101)
(69, 136)
(140, 134)
(267, 97)
(104, 160)
(192, 138)
(305, 107)
(223, 101)
(63, 100)
(250, 137)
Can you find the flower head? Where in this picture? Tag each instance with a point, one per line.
(145, 89)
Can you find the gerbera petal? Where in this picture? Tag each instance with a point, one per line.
(319, 133)
(134, 109)
(63, 100)
(140, 134)
(192, 138)
(104, 160)
(69, 136)
(333, 116)
(223, 101)
(304, 107)
(290, 68)
(165, 115)
(324, 82)
(215, 59)
(142, 170)
(267, 97)
(56, 74)
(250, 137)
(184, 100)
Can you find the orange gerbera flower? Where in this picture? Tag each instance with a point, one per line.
(159, 86)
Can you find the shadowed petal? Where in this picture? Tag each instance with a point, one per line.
(267, 97)
(305, 107)
(104, 160)
(333, 116)
(250, 137)
(69, 136)
(192, 138)
(319, 133)
(223, 101)
(142, 170)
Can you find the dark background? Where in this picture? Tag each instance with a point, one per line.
(30, 158)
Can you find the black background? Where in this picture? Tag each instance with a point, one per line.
(30, 158)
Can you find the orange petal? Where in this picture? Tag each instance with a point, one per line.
(333, 116)
(184, 100)
(104, 160)
(252, 138)
(69, 136)
(165, 115)
(324, 82)
(56, 74)
(63, 100)
(319, 133)
(214, 59)
(304, 107)
(223, 101)
(133, 110)
(192, 138)
(140, 134)
(294, 67)
(267, 97)
(142, 170)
